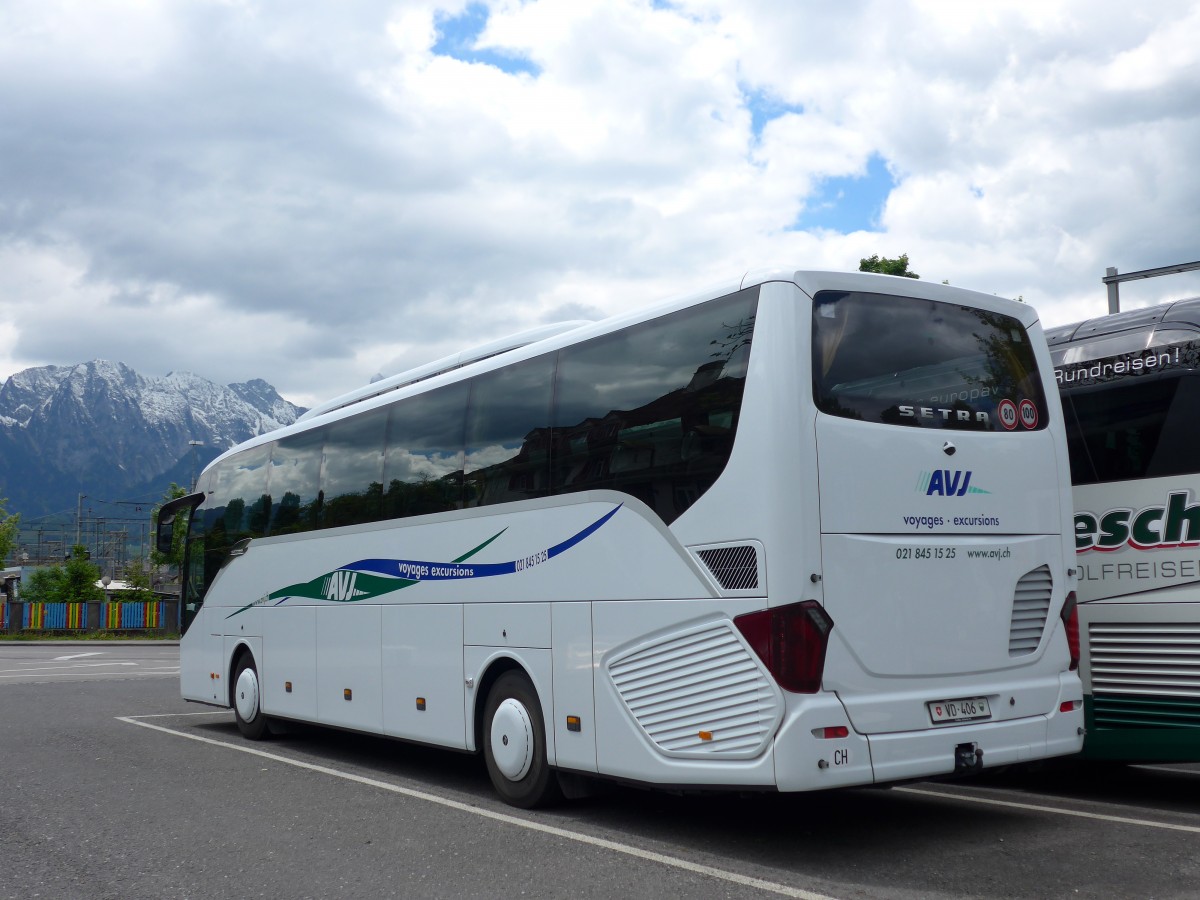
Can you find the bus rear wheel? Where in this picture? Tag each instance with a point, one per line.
(247, 708)
(514, 744)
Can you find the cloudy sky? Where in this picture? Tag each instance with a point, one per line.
(316, 192)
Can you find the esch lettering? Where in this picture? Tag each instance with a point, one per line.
(1177, 524)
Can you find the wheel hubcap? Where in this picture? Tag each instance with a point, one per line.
(512, 739)
(245, 694)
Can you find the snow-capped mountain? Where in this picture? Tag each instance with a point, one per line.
(102, 429)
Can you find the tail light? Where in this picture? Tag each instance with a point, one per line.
(1070, 617)
(791, 642)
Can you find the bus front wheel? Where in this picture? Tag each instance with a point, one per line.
(247, 707)
(514, 744)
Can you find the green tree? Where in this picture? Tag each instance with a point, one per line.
(8, 530)
(885, 266)
(45, 585)
(137, 576)
(74, 582)
(80, 577)
(175, 556)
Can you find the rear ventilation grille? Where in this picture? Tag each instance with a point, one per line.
(699, 693)
(1145, 674)
(735, 567)
(1031, 605)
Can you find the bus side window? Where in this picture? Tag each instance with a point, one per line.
(352, 471)
(652, 410)
(294, 482)
(1176, 451)
(1119, 430)
(423, 466)
(508, 434)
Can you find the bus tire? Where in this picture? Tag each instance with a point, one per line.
(514, 744)
(247, 699)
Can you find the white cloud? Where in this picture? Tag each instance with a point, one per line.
(309, 194)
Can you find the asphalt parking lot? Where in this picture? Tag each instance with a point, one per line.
(115, 787)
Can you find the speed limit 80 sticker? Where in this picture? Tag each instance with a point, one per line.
(1006, 411)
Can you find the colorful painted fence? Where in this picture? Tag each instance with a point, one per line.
(133, 615)
(154, 615)
(54, 616)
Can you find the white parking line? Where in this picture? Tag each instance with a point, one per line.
(162, 673)
(988, 801)
(78, 655)
(72, 667)
(627, 849)
(211, 712)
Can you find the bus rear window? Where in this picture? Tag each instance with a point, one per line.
(923, 363)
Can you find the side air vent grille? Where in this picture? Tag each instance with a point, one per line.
(1031, 605)
(735, 567)
(1145, 674)
(699, 693)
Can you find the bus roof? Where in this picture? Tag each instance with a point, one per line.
(445, 364)
(1186, 310)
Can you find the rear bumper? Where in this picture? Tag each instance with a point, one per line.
(804, 762)
(923, 754)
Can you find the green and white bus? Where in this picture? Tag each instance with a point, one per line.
(802, 531)
(1130, 387)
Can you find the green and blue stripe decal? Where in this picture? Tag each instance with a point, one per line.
(367, 579)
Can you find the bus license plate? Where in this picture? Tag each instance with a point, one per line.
(969, 710)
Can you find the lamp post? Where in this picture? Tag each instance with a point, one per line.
(78, 517)
(194, 445)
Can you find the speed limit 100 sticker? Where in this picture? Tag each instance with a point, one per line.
(1028, 413)
(1007, 411)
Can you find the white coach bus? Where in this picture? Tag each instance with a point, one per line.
(1130, 387)
(810, 530)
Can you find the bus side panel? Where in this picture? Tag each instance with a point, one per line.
(200, 658)
(573, 691)
(350, 673)
(288, 668)
(623, 747)
(507, 625)
(423, 686)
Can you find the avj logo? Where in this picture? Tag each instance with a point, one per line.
(947, 483)
(339, 586)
